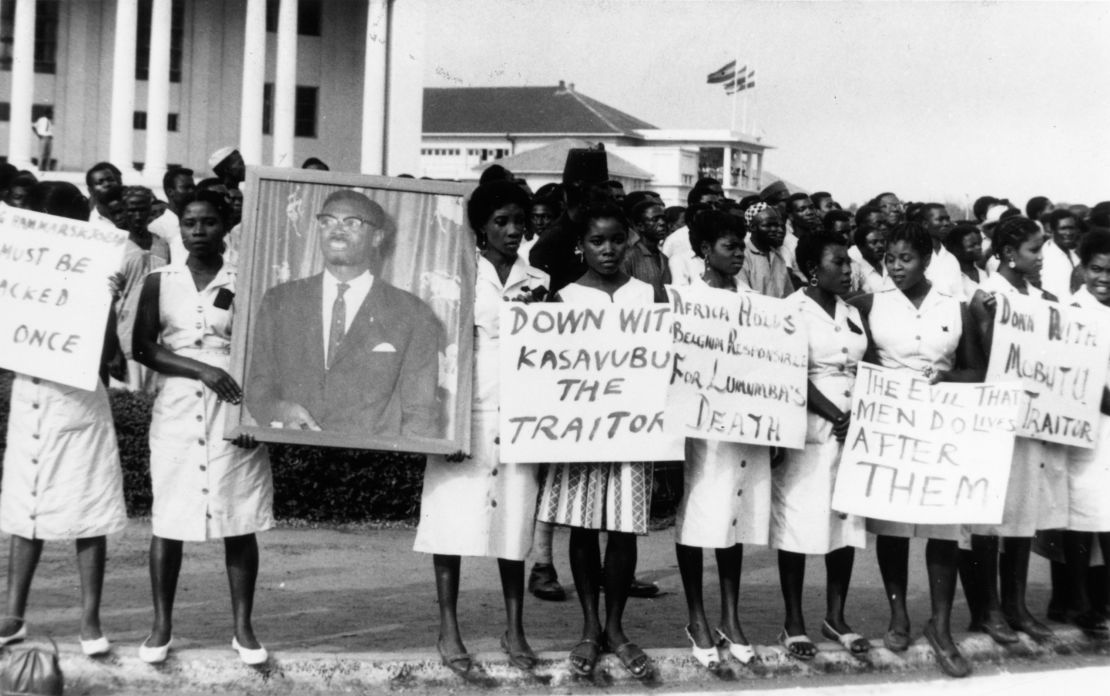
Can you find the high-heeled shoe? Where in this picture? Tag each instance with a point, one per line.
(743, 653)
(257, 656)
(710, 657)
(19, 635)
(152, 655)
(96, 646)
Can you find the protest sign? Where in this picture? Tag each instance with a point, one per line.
(740, 368)
(927, 454)
(54, 295)
(1059, 355)
(585, 383)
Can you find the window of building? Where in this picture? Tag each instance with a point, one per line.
(177, 40)
(304, 111)
(46, 35)
(37, 110)
(138, 121)
(309, 16)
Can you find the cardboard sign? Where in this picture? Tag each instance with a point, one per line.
(54, 295)
(585, 383)
(927, 454)
(740, 368)
(1059, 355)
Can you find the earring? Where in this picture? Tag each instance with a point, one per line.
(813, 281)
(577, 253)
(1012, 264)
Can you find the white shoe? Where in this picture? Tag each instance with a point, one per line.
(15, 637)
(96, 646)
(248, 656)
(154, 656)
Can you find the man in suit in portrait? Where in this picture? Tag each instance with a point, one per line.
(344, 350)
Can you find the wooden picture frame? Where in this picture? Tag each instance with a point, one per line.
(376, 395)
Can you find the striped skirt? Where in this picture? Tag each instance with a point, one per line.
(612, 496)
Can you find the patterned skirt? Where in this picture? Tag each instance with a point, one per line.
(610, 496)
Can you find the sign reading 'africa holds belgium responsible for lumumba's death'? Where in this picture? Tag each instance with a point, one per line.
(54, 294)
(585, 382)
(1059, 353)
(927, 453)
(740, 368)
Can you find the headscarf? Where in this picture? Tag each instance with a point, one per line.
(753, 210)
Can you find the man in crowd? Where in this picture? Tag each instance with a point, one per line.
(177, 183)
(823, 201)
(944, 269)
(683, 263)
(228, 166)
(1037, 208)
(643, 260)
(344, 350)
(99, 178)
(1060, 259)
(767, 263)
(803, 218)
(891, 208)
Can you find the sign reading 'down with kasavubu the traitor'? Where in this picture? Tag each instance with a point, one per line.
(927, 453)
(54, 295)
(585, 383)
(1059, 354)
(740, 368)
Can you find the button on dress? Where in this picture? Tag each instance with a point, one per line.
(482, 506)
(204, 486)
(62, 476)
(802, 518)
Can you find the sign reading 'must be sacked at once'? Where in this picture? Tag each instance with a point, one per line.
(54, 294)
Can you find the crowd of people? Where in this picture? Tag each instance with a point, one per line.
(896, 284)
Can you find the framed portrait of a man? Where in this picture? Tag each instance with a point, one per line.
(355, 300)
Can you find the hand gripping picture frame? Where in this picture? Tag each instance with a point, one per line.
(355, 312)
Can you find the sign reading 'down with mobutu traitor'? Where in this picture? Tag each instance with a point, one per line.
(927, 454)
(585, 383)
(740, 368)
(54, 295)
(1059, 353)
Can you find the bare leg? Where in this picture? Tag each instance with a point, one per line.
(838, 571)
(91, 555)
(22, 561)
(620, 568)
(893, 554)
(512, 587)
(792, 575)
(165, 567)
(241, 558)
(690, 568)
(730, 564)
(447, 570)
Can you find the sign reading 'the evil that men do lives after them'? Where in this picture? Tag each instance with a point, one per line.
(54, 295)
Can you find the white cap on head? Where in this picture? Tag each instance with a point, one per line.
(219, 156)
(994, 214)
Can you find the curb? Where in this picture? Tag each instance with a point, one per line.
(308, 673)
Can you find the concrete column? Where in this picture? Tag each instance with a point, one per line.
(374, 87)
(158, 91)
(726, 165)
(405, 92)
(285, 85)
(23, 85)
(758, 186)
(254, 78)
(121, 147)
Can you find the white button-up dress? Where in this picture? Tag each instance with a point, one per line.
(1089, 469)
(204, 486)
(482, 506)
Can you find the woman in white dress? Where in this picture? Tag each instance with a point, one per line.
(607, 496)
(726, 500)
(916, 328)
(802, 519)
(1037, 491)
(1089, 469)
(62, 476)
(480, 505)
(204, 487)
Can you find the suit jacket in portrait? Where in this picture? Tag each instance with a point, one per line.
(383, 379)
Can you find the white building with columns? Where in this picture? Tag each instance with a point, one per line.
(150, 83)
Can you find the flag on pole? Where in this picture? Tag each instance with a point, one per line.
(741, 82)
(724, 74)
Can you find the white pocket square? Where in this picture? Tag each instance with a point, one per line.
(384, 348)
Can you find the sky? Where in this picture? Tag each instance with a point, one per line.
(933, 100)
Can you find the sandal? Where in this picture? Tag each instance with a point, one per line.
(584, 656)
(896, 641)
(634, 659)
(743, 652)
(953, 663)
(796, 645)
(459, 663)
(706, 657)
(852, 642)
(522, 659)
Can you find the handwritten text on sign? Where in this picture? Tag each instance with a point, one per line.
(585, 383)
(740, 368)
(54, 295)
(1059, 354)
(927, 454)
